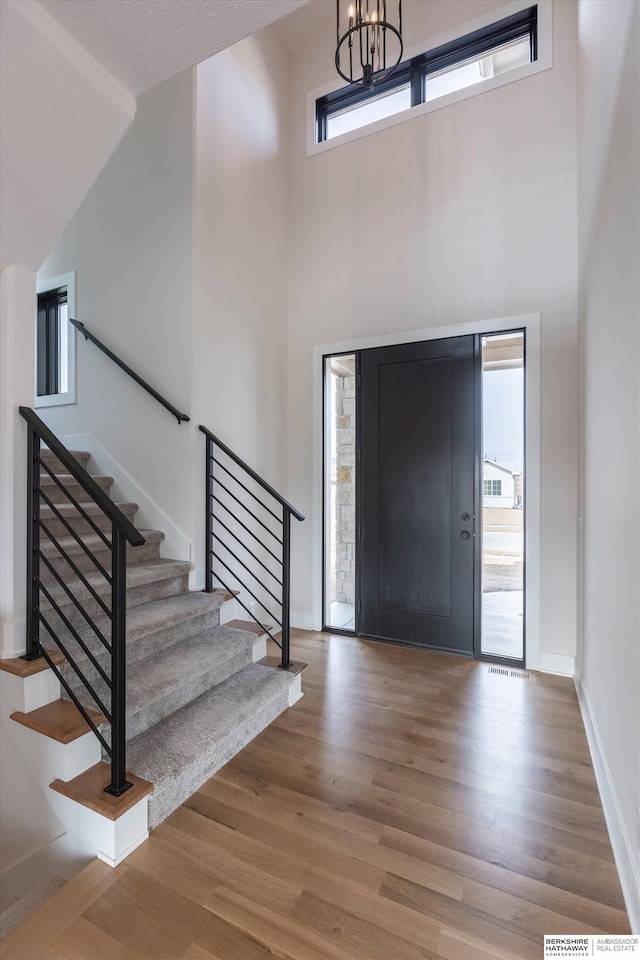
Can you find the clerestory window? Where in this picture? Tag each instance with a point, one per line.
(468, 61)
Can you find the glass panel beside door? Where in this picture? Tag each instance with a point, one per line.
(340, 492)
(503, 495)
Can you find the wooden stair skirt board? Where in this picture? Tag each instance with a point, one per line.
(195, 693)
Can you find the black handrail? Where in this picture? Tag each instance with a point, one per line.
(263, 483)
(180, 417)
(284, 544)
(122, 531)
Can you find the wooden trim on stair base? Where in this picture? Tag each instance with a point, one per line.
(249, 625)
(294, 669)
(60, 720)
(225, 594)
(88, 789)
(27, 668)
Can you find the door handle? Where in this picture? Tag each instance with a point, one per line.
(465, 535)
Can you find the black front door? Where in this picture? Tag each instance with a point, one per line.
(417, 482)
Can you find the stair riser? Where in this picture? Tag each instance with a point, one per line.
(137, 649)
(78, 523)
(148, 551)
(55, 494)
(142, 593)
(54, 464)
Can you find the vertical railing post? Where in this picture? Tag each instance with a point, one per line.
(286, 585)
(33, 546)
(208, 519)
(119, 782)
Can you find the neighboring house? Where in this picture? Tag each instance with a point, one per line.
(499, 485)
(219, 258)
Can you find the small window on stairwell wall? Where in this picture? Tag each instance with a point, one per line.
(55, 342)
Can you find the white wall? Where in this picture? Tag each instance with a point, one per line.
(609, 216)
(240, 268)
(130, 244)
(463, 215)
(62, 116)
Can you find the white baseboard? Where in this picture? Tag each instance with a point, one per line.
(176, 545)
(621, 842)
(302, 621)
(557, 663)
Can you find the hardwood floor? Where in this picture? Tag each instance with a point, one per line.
(411, 806)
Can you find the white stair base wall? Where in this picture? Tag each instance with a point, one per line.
(88, 834)
(259, 648)
(109, 840)
(27, 693)
(295, 690)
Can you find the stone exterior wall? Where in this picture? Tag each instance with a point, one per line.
(345, 488)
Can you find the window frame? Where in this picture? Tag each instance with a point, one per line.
(51, 285)
(414, 72)
(450, 49)
(493, 483)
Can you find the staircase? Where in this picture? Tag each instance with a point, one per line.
(195, 694)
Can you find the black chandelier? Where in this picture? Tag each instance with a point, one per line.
(369, 40)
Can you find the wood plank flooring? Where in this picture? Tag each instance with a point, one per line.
(412, 806)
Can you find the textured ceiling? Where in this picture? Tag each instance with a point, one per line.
(143, 42)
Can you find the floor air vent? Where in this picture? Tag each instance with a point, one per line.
(509, 673)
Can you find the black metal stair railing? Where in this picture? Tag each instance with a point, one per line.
(92, 636)
(234, 513)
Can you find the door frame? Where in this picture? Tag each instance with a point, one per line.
(531, 324)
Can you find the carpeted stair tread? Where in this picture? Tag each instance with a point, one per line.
(81, 456)
(166, 681)
(90, 508)
(138, 575)
(67, 479)
(150, 627)
(149, 617)
(182, 751)
(92, 541)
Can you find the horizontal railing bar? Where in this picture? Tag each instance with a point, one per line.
(244, 527)
(250, 492)
(74, 502)
(248, 549)
(77, 702)
(245, 507)
(71, 596)
(252, 615)
(77, 636)
(64, 586)
(180, 417)
(80, 474)
(263, 483)
(250, 592)
(249, 571)
(79, 541)
(61, 517)
(75, 667)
